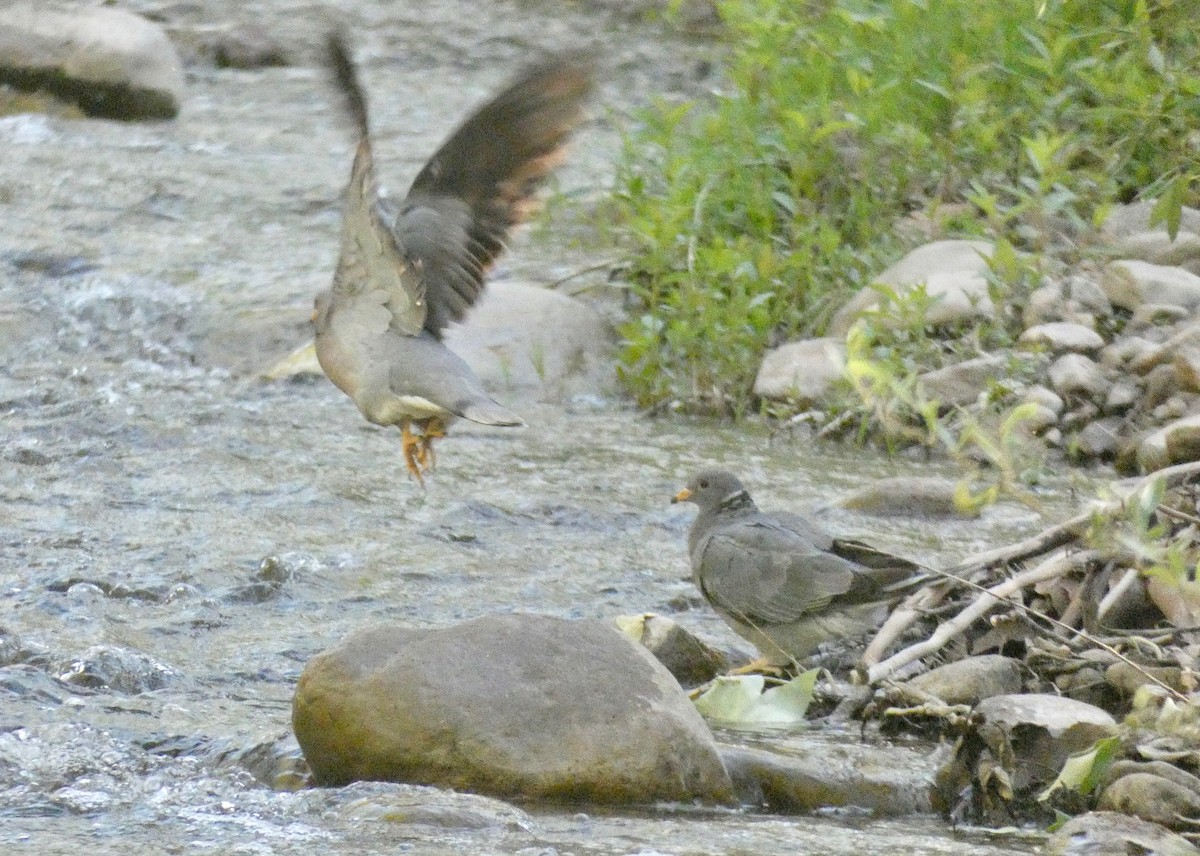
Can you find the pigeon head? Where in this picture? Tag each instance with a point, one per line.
(712, 489)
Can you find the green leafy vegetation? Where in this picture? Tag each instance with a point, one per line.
(848, 131)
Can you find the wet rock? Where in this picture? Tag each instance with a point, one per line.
(1126, 351)
(1107, 833)
(1078, 299)
(273, 575)
(1183, 340)
(889, 780)
(1187, 367)
(416, 806)
(1162, 769)
(1183, 441)
(1099, 439)
(1129, 284)
(1152, 798)
(1075, 374)
(1152, 316)
(1038, 731)
(514, 705)
(1040, 420)
(1079, 416)
(961, 383)
(1160, 385)
(972, 679)
(119, 669)
(522, 337)
(1128, 232)
(113, 63)
(1176, 407)
(803, 371)
(1122, 395)
(1060, 336)
(1047, 398)
(29, 683)
(1175, 443)
(951, 270)
(686, 657)
(908, 496)
(248, 46)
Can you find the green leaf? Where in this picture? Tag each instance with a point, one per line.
(1146, 501)
(738, 701)
(1082, 772)
(1168, 208)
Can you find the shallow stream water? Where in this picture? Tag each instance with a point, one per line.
(178, 537)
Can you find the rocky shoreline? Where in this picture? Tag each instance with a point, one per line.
(1107, 368)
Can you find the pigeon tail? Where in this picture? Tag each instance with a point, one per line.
(488, 412)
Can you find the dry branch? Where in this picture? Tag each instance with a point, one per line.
(987, 600)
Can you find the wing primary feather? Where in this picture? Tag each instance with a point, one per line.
(483, 179)
(346, 77)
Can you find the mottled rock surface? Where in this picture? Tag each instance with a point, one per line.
(113, 63)
(515, 706)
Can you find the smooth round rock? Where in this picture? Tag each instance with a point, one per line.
(950, 270)
(114, 63)
(804, 371)
(971, 680)
(1059, 336)
(521, 706)
(1107, 833)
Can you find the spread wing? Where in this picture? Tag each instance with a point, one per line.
(481, 183)
(374, 279)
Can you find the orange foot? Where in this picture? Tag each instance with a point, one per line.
(414, 452)
(433, 430)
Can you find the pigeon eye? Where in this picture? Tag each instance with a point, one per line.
(704, 483)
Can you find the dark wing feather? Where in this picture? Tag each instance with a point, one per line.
(481, 183)
(371, 260)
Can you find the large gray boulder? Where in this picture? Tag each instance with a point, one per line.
(524, 337)
(513, 706)
(952, 273)
(519, 339)
(1130, 284)
(804, 371)
(113, 63)
(1129, 234)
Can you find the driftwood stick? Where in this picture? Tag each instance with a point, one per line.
(1128, 579)
(1056, 536)
(1064, 533)
(907, 613)
(1174, 476)
(988, 600)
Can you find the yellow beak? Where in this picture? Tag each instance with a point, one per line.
(682, 496)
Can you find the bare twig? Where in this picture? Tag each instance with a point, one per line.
(586, 269)
(1173, 476)
(1116, 593)
(907, 613)
(977, 609)
(1049, 569)
(1176, 514)
(1064, 533)
(1056, 536)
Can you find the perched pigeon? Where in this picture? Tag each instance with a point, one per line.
(781, 581)
(407, 270)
